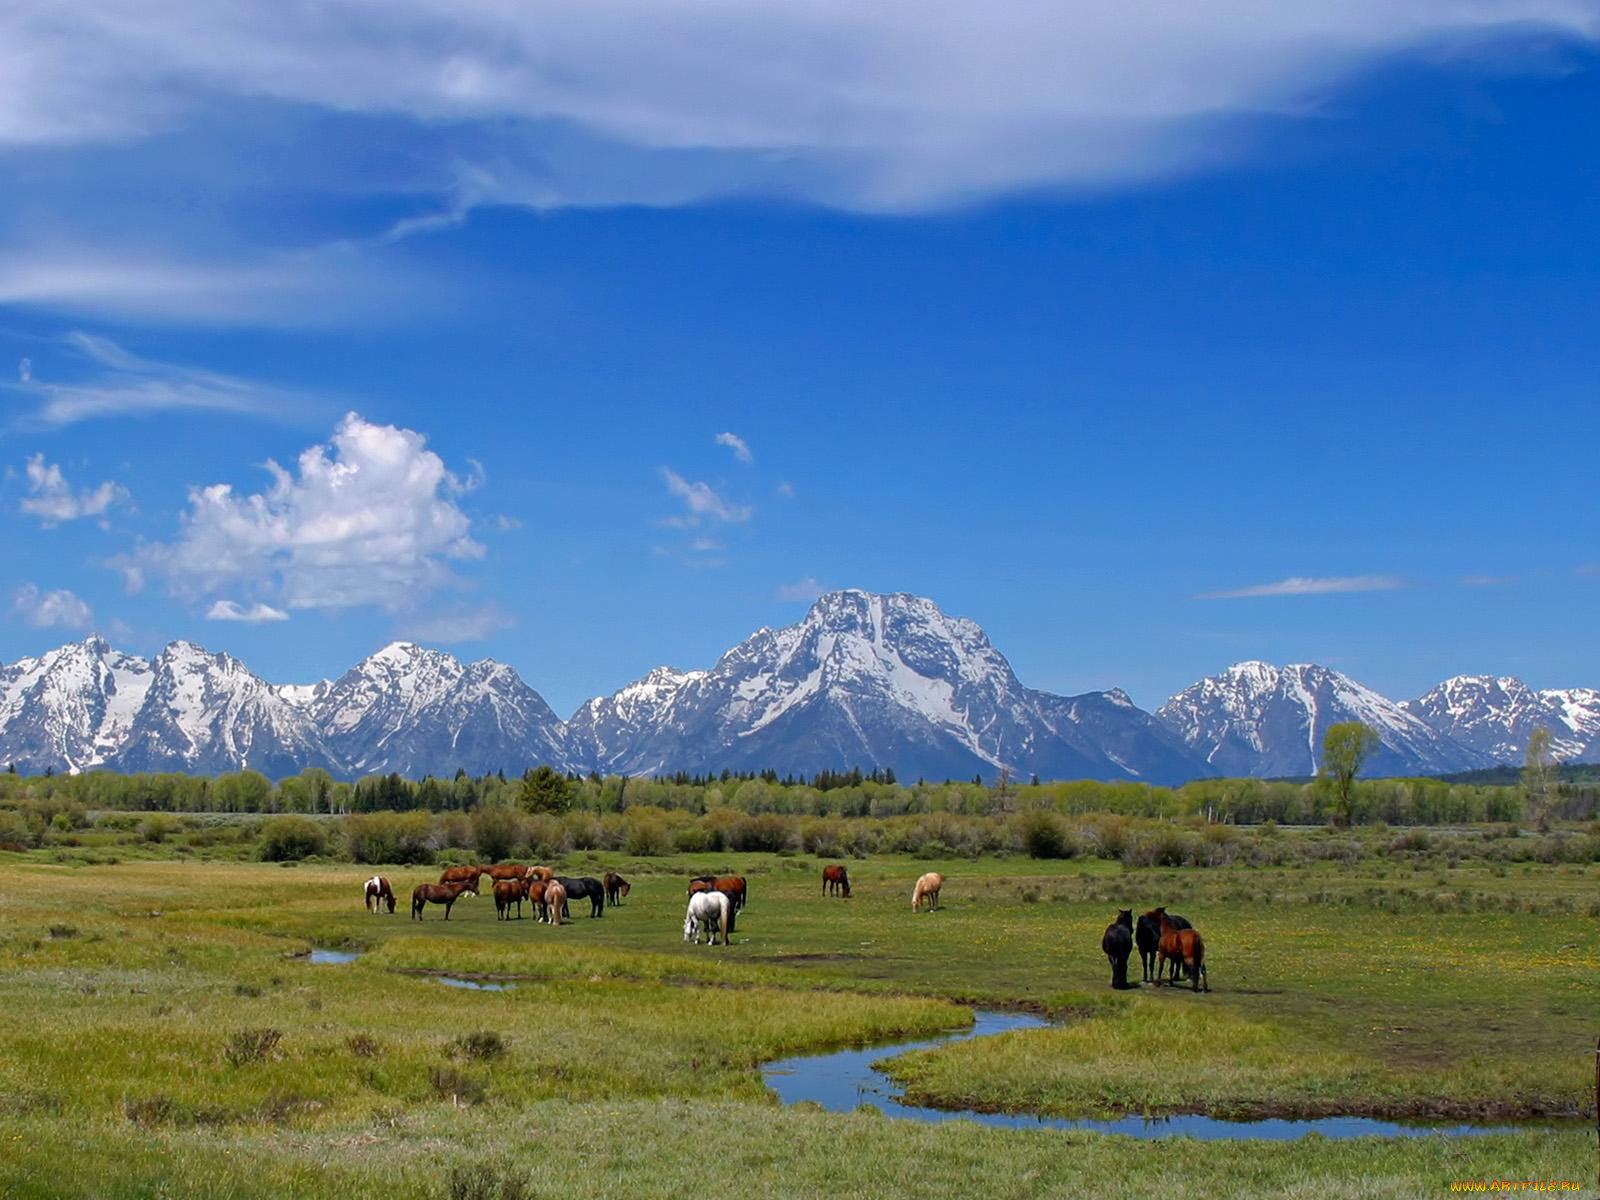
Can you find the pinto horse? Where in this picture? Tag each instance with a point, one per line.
(710, 912)
(462, 875)
(616, 887)
(440, 893)
(1118, 945)
(927, 889)
(586, 886)
(1147, 936)
(555, 901)
(1183, 946)
(835, 880)
(378, 893)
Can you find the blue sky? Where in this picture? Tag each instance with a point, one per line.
(1151, 344)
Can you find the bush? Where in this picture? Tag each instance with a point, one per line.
(251, 1045)
(479, 1182)
(1044, 834)
(388, 837)
(769, 833)
(483, 1045)
(289, 839)
(158, 827)
(457, 1086)
(496, 831)
(647, 837)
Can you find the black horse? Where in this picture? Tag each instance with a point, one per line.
(588, 886)
(1118, 945)
(1148, 936)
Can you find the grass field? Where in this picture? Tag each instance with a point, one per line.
(133, 1060)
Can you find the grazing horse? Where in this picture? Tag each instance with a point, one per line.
(710, 912)
(1118, 945)
(440, 893)
(555, 901)
(378, 893)
(835, 880)
(506, 893)
(587, 886)
(1148, 938)
(507, 871)
(927, 888)
(1183, 946)
(462, 875)
(533, 892)
(616, 887)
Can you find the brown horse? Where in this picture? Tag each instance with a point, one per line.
(927, 889)
(1184, 946)
(506, 893)
(616, 887)
(734, 888)
(835, 880)
(462, 875)
(507, 871)
(541, 873)
(555, 899)
(1147, 937)
(533, 893)
(440, 893)
(378, 893)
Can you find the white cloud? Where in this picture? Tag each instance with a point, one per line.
(1299, 585)
(51, 498)
(464, 625)
(1483, 581)
(740, 448)
(58, 609)
(801, 592)
(786, 490)
(230, 610)
(702, 501)
(25, 370)
(890, 105)
(369, 520)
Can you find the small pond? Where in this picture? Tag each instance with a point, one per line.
(473, 985)
(335, 956)
(845, 1079)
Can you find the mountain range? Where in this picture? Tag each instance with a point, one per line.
(863, 680)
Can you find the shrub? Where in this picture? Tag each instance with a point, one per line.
(251, 1045)
(647, 837)
(496, 832)
(483, 1045)
(768, 832)
(158, 827)
(457, 1086)
(479, 1182)
(1044, 834)
(389, 837)
(363, 1045)
(289, 839)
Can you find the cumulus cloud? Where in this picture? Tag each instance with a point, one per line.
(58, 609)
(888, 105)
(702, 501)
(369, 519)
(802, 591)
(1299, 585)
(253, 614)
(52, 499)
(740, 448)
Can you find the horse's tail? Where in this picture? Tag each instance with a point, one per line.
(725, 916)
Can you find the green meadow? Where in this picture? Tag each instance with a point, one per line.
(164, 1033)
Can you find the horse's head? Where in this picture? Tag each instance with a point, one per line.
(624, 888)
(1125, 917)
(688, 924)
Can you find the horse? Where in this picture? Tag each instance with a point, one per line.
(378, 893)
(588, 886)
(507, 871)
(544, 874)
(1118, 945)
(555, 901)
(709, 912)
(734, 888)
(835, 879)
(1183, 946)
(1148, 938)
(440, 893)
(927, 888)
(462, 875)
(533, 892)
(616, 887)
(506, 893)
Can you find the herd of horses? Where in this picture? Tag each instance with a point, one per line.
(1168, 944)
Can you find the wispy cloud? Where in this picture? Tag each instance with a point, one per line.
(25, 371)
(702, 501)
(52, 499)
(802, 591)
(58, 609)
(252, 614)
(785, 490)
(458, 625)
(1300, 585)
(1485, 581)
(740, 448)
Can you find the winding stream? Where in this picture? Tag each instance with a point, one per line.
(845, 1079)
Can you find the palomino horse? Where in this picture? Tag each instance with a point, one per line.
(543, 873)
(710, 912)
(927, 889)
(462, 875)
(378, 893)
(616, 887)
(1184, 946)
(586, 887)
(835, 880)
(555, 901)
(440, 893)
(1118, 945)
(1147, 936)
(506, 893)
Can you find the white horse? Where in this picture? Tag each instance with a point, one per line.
(708, 912)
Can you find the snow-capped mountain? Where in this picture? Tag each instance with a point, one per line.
(70, 707)
(874, 681)
(419, 712)
(1258, 719)
(1495, 715)
(204, 713)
